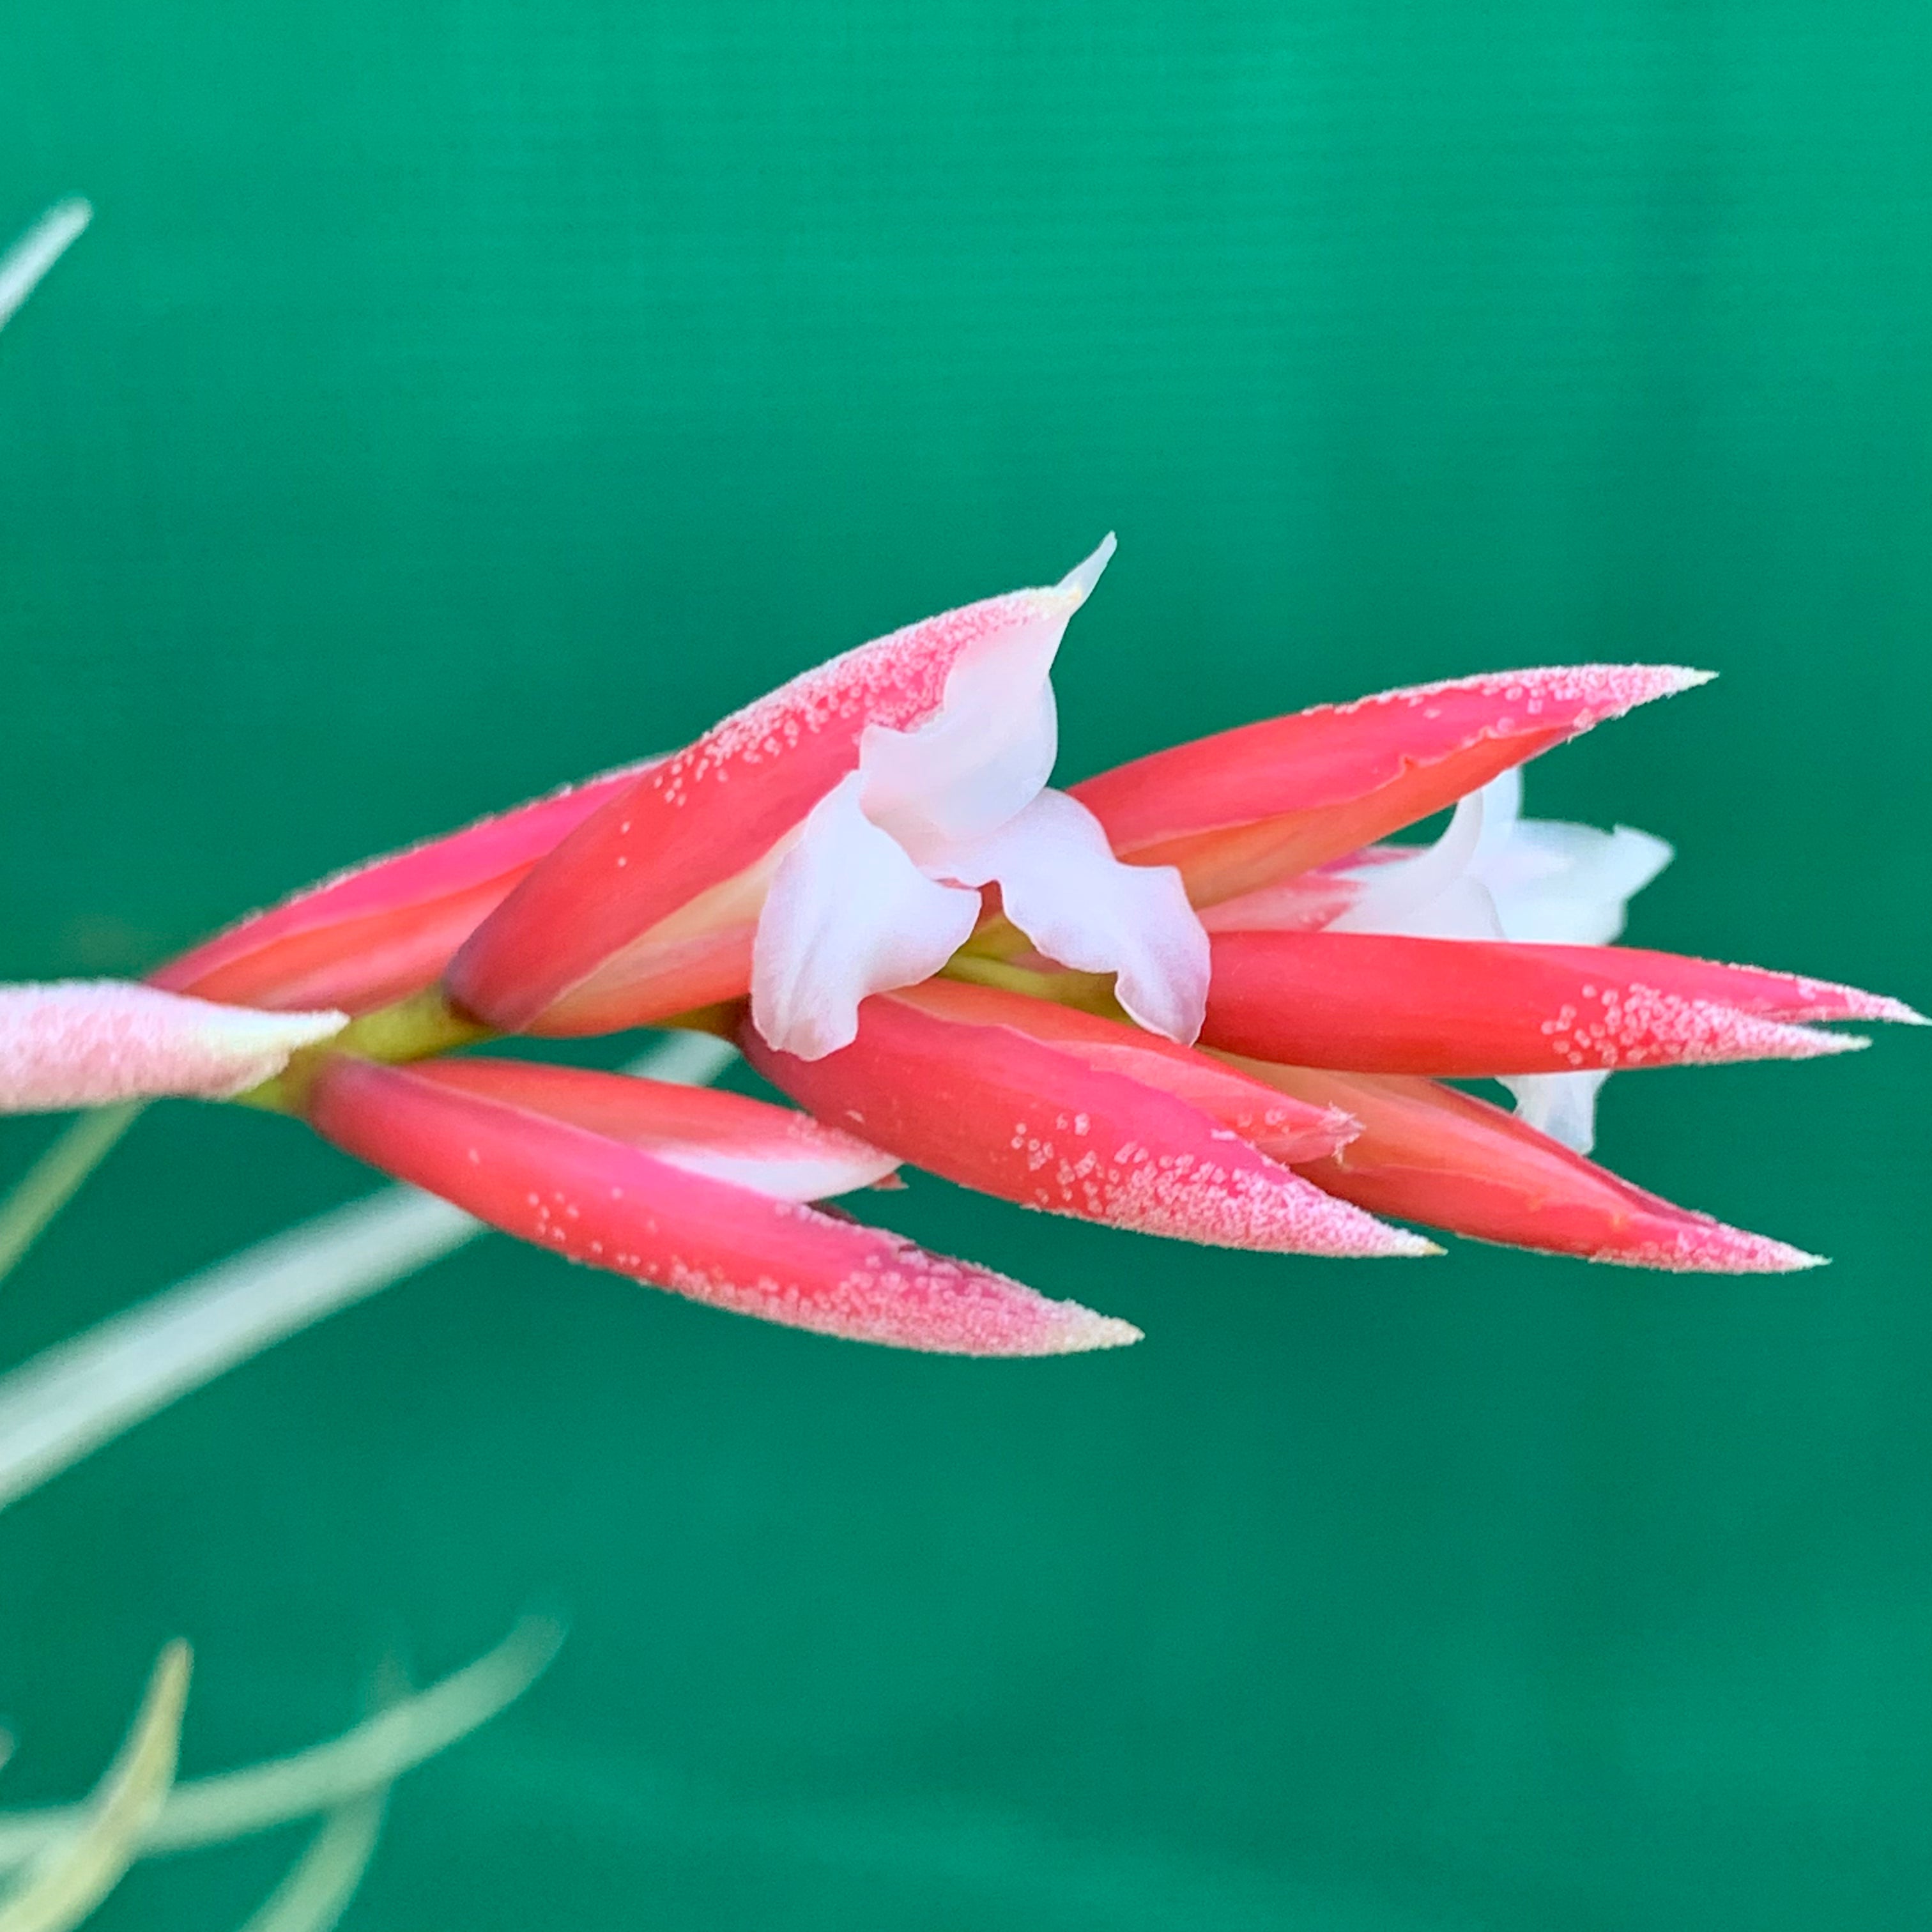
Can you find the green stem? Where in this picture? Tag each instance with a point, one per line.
(53, 1181)
(1090, 992)
(416, 1028)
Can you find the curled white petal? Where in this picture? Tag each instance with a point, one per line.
(977, 761)
(87, 1042)
(1063, 888)
(1570, 885)
(1438, 894)
(1495, 874)
(870, 896)
(848, 914)
(984, 755)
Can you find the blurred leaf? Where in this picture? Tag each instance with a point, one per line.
(84, 1863)
(320, 1884)
(51, 1182)
(208, 1810)
(70, 1398)
(23, 264)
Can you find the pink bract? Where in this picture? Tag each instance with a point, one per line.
(1017, 1099)
(1427, 1153)
(387, 927)
(577, 1163)
(1378, 1003)
(1245, 807)
(87, 1042)
(593, 939)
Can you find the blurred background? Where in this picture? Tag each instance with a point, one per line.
(451, 400)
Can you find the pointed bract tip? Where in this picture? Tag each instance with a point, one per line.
(89, 1043)
(1413, 1246)
(1079, 1331)
(1673, 678)
(1730, 1035)
(1822, 1045)
(1078, 582)
(1622, 687)
(1883, 1006)
(1371, 1239)
(1699, 1246)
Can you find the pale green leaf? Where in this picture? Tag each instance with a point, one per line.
(320, 1884)
(209, 1811)
(51, 1182)
(23, 264)
(98, 1840)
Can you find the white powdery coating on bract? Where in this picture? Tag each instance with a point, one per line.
(1637, 1025)
(897, 1294)
(89, 1043)
(907, 1298)
(1830, 999)
(1247, 1202)
(1605, 692)
(1704, 1246)
(898, 680)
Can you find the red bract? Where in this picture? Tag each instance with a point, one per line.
(1427, 1153)
(386, 929)
(1377, 1003)
(1082, 1116)
(1244, 808)
(696, 1191)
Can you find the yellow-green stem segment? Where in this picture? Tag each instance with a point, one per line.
(416, 1028)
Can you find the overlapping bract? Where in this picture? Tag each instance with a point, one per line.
(703, 1192)
(866, 878)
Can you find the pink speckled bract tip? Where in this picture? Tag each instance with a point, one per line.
(87, 1042)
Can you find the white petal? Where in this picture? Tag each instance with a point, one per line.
(1563, 1105)
(86, 1042)
(1066, 892)
(1436, 895)
(1494, 874)
(1570, 885)
(982, 757)
(848, 914)
(988, 750)
(1078, 582)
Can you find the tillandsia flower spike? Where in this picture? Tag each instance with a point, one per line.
(87, 1042)
(866, 878)
(1083, 1116)
(833, 840)
(700, 1192)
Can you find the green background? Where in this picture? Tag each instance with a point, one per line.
(452, 400)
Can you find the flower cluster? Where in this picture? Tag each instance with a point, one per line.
(1197, 996)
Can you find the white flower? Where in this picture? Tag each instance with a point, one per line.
(1495, 874)
(883, 884)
